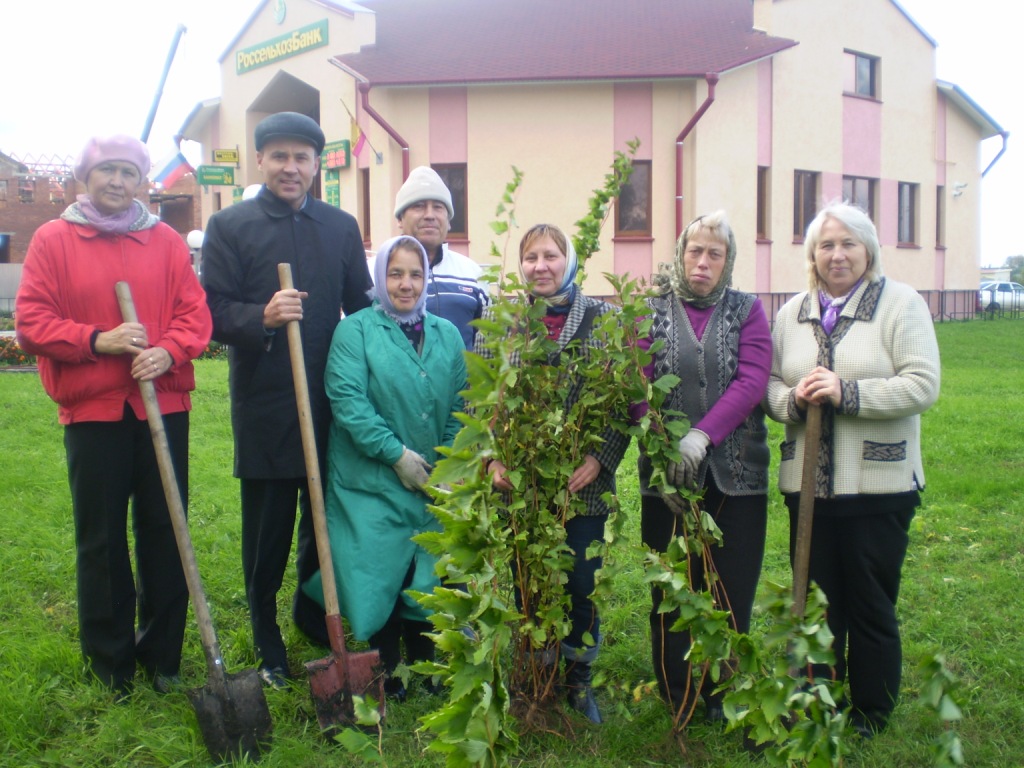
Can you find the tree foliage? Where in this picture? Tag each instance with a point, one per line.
(499, 663)
(1016, 265)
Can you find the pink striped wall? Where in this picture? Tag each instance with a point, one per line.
(862, 137)
(634, 118)
(763, 250)
(448, 125)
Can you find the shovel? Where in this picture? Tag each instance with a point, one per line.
(805, 512)
(231, 709)
(334, 680)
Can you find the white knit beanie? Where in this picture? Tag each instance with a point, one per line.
(423, 184)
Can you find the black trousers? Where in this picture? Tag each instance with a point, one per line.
(268, 521)
(110, 464)
(857, 561)
(743, 520)
(388, 639)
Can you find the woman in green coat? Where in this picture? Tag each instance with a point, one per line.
(394, 374)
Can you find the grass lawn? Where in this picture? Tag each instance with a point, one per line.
(962, 595)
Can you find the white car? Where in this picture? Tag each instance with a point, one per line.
(998, 295)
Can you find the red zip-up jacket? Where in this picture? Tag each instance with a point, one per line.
(67, 293)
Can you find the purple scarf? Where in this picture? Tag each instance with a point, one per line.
(133, 219)
(830, 308)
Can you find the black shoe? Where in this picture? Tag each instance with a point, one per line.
(394, 689)
(432, 688)
(164, 684)
(863, 730)
(867, 725)
(714, 713)
(274, 677)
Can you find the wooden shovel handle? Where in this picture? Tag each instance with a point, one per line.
(214, 660)
(316, 489)
(805, 512)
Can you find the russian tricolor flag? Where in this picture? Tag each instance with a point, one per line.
(171, 169)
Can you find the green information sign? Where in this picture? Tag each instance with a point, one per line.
(215, 175)
(295, 42)
(337, 154)
(332, 188)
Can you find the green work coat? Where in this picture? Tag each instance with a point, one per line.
(384, 396)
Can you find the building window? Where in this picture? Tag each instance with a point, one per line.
(805, 201)
(26, 190)
(56, 192)
(763, 197)
(454, 177)
(860, 191)
(907, 226)
(3, 192)
(940, 217)
(860, 76)
(633, 208)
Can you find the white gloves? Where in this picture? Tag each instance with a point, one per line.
(412, 469)
(692, 450)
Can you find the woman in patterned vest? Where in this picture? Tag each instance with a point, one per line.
(716, 340)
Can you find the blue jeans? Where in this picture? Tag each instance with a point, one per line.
(580, 533)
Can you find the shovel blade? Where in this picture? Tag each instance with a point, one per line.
(235, 721)
(333, 681)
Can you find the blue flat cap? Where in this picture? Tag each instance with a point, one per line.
(289, 125)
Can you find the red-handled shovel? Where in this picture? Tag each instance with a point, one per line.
(231, 709)
(334, 680)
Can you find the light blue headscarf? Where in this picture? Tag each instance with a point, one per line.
(379, 292)
(566, 292)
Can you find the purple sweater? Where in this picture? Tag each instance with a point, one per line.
(748, 386)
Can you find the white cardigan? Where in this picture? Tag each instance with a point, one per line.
(888, 362)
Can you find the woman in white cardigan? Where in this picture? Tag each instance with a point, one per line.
(864, 348)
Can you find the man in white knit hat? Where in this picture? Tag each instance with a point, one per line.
(423, 207)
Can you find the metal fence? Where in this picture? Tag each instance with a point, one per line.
(10, 278)
(944, 305)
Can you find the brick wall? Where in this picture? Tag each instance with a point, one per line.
(21, 219)
(180, 209)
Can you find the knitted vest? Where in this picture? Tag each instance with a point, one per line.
(705, 368)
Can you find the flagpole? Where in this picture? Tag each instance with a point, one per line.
(361, 131)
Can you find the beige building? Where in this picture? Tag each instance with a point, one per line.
(765, 108)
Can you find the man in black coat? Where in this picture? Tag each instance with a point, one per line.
(242, 248)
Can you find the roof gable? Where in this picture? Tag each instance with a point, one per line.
(472, 41)
(958, 96)
(338, 6)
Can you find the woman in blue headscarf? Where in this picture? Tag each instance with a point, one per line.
(394, 374)
(548, 265)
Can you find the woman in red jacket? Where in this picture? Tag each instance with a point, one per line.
(90, 363)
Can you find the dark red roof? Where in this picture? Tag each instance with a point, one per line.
(424, 42)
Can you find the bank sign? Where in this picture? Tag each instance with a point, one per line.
(270, 51)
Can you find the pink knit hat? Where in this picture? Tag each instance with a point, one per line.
(104, 149)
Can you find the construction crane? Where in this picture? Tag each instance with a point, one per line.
(163, 79)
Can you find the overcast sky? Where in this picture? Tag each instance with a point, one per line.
(78, 68)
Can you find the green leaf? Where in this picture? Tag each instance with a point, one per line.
(360, 744)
